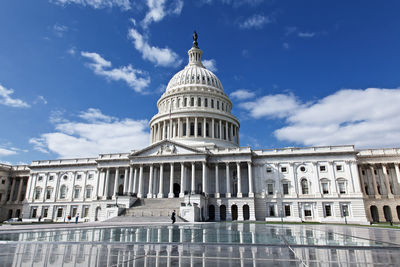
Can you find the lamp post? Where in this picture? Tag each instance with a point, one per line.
(116, 201)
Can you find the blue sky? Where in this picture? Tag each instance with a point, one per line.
(82, 77)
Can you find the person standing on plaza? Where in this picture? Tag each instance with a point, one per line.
(173, 217)
(76, 218)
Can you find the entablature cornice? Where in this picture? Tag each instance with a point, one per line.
(169, 159)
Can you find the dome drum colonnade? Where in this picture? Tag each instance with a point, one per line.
(194, 110)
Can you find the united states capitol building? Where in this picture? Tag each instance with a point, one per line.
(195, 165)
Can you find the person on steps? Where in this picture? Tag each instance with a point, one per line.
(173, 217)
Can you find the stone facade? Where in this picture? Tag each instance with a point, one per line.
(194, 155)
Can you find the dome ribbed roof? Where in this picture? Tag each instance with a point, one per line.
(194, 75)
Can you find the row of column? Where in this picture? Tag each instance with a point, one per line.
(181, 127)
(389, 186)
(13, 182)
(134, 183)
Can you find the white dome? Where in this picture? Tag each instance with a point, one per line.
(194, 75)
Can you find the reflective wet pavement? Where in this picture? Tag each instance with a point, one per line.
(214, 244)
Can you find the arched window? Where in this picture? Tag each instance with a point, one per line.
(63, 191)
(77, 191)
(304, 186)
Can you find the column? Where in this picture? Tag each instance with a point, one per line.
(57, 189)
(217, 194)
(73, 186)
(21, 182)
(332, 170)
(28, 187)
(105, 194)
(231, 133)
(134, 181)
(159, 131)
(226, 131)
(212, 128)
(161, 184)
(251, 193)
(220, 129)
(204, 128)
(140, 187)
(204, 179)
(98, 183)
(164, 131)
(195, 127)
(14, 181)
(374, 181)
(193, 189)
(126, 189)
(349, 165)
(44, 188)
(182, 193)
(150, 192)
(187, 127)
(384, 170)
(171, 181)
(228, 182)
(239, 180)
(130, 184)
(316, 177)
(179, 128)
(116, 180)
(362, 180)
(237, 134)
(396, 167)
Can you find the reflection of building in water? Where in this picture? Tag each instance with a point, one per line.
(195, 151)
(181, 246)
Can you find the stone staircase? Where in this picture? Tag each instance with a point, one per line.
(151, 209)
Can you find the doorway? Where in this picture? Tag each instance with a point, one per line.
(234, 210)
(177, 189)
(211, 212)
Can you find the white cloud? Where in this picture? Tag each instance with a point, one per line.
(242, 94)
(7, 100)
(135, 78)
(256, 22)
(306, 34)
(158, 9)
(210, 64)
(236, 3)
(97, 4)
(365, 118)
(96, 133)
(72, 51)
(41, 99)
(272, 106)
(160, 56)
(7, 152)
(59, 30)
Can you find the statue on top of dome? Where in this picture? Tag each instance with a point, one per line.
(195, 44)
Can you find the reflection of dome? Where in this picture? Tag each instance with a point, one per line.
(194, 109)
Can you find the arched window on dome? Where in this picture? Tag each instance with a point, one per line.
(192, 102)
(199, 102)
(222, 106)
(184, 102)
(205, 102)
(217, 104)
(207, 129)
(184, 129)
(212, 103)
(199, 129)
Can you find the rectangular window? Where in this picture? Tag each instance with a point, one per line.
(287, 210)
(59, 212)
(85, 211)
(222, 106)
(192, 101)
(362, 172)
(45, 212)
(34, 212)
(345, 210)
(199, 102)
(184, 102)
(184, 130)
(212, 103)
(37, 193)
(322, 168)
(40, 178)
(270, 188)
(191, 129)
(339, 167)
(76, 192)
(325, 188)
(285, 189)
(269, 169)
(74, 211)
(88, 192)
(328, 211)
(307, 211)
(342, 187)
(217, 104)
(271, 211)
(51, 177)
(283, 169)
(79, 176)
(90, 176)
(48, 194)
(199, 128)
(205, 102)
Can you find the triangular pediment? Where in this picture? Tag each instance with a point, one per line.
(165, 148)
